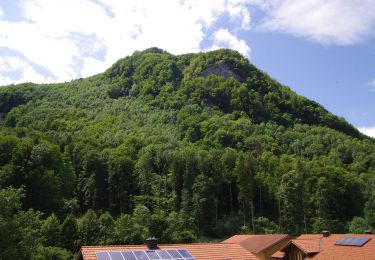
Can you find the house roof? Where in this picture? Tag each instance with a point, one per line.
(309, 236)
(201, 251)
(256, 243)
(330, 251)
(279, 255)
(318, 247)
(308, 246)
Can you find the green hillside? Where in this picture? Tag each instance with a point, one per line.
(195, 146)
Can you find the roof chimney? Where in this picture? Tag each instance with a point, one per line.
(152, 243)
(368, 231)
(326, 233)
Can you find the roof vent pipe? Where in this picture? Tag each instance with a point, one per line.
(152, 243)
(326, 233)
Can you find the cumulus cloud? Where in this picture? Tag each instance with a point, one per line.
(224, 39)
(328, 22)
(16, 70)
(91, 66)
(369, 131)
(56, 55)
(239, 13)
(372, 85)
(78, 38)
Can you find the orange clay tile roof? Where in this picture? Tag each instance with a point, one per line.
(330, 251)
(256, 243)
(201, 251)
(278, 254)
(308, 246)
(236, 239)
(325, 248)
(309, 236)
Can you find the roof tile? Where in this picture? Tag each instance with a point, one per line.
(325, 248)
(278, 254)
(308, 246)
(256, 243)
(330, 251)
(201, 251)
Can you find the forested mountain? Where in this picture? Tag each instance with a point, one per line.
(188, 147)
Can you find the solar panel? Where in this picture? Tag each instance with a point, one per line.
(152, 254)
(141, 255)
(116, 256)
(164, 254)
(128, 255)
(102, 256)
(352, 241)
(185, 253)
(175, 254)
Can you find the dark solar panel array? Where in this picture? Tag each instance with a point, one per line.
(175, 254)
(352, 241)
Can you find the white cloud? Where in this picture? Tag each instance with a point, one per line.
(91, 66)
(369, 131)
(55, 55)
(13, 65)
(224, 39)
(338, 22)
(76, 38)
(372, 85)
(240, 13)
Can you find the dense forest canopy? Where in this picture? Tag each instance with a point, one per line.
(185, 148)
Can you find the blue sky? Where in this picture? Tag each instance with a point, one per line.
(324, 50)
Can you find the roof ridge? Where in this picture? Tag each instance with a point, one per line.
(142, 245)
(275, 242)
(269, 240)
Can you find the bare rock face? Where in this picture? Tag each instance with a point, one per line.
(221, 69)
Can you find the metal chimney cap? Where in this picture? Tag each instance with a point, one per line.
(152, 243)
(326, 233)
(368, 231)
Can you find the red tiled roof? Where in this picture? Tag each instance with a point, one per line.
(324, 248)
(236, 239)
(201, 251)
(309, 236)
(278, 254)
(330, 251)
(307, 246)
(256, 243)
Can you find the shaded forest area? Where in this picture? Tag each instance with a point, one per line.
(185, 148)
